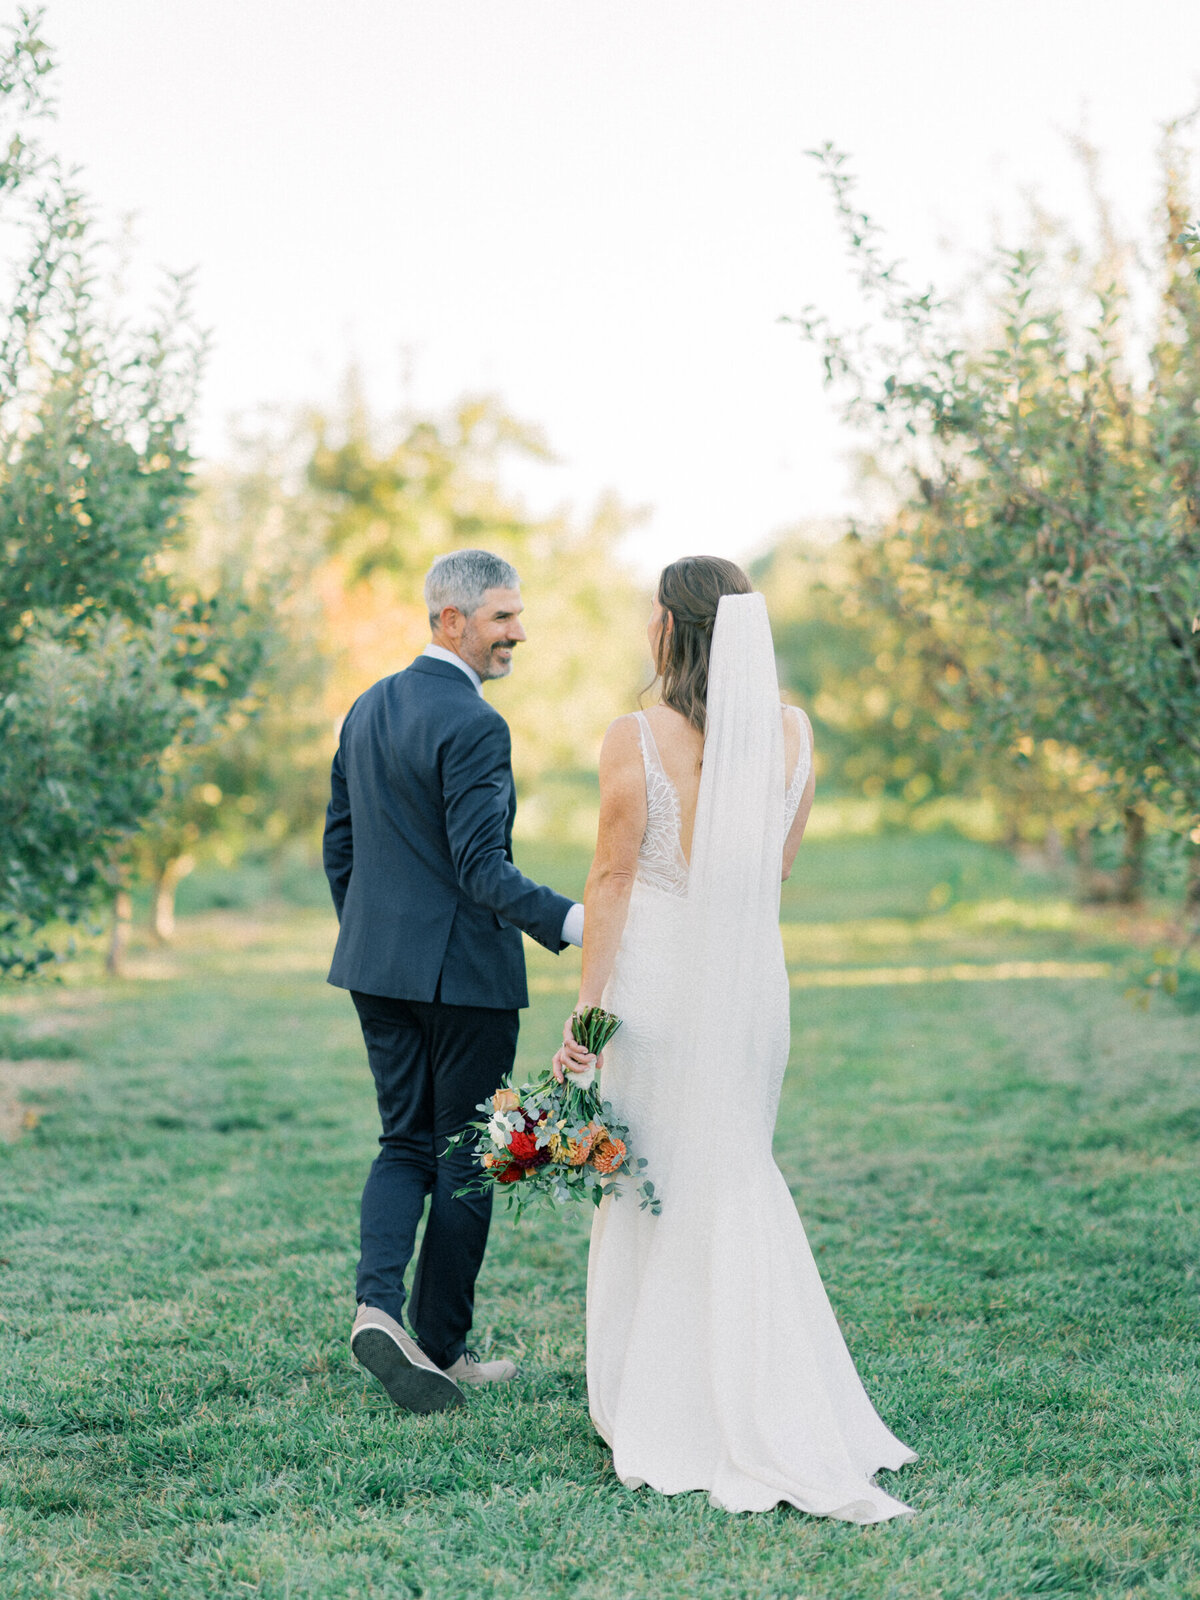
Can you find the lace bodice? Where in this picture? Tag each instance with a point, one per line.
(661, 862)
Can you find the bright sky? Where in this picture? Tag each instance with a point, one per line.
(598, 209)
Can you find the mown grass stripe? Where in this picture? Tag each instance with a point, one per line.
(868, 977)
(955, 972)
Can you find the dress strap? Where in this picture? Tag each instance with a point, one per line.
(650, 753)
(795, 788)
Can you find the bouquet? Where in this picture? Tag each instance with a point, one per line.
(558, 1141)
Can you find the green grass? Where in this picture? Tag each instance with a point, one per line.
(999, 1180)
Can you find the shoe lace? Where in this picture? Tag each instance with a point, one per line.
(471, 1355)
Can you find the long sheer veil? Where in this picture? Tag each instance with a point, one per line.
(737, 848)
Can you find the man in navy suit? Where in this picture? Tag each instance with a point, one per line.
(418, 853)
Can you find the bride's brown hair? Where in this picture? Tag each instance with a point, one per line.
(690, 590)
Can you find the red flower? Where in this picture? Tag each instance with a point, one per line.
(511, 1174)
(523, 1151)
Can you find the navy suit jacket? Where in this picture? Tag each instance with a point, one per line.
(418, 847)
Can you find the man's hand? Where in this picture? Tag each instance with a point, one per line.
(573, 1057)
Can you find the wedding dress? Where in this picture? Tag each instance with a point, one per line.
(714, 1360)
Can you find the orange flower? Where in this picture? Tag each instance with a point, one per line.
(607, 1154)
(505, 1100)
(490, 1160)
(576, 1151)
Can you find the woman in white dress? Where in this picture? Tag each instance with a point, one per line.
(714, 1360)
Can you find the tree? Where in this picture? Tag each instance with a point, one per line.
(890, 677)
(395, 496)
(398, 496)
(261, 780)
(1055, 492)
(105, 663)
(875, 686)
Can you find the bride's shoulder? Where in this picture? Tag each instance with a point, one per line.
(797, 729)
(670, 726)
(622, 738)
(620, 766)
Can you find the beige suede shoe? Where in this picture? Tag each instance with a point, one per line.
(473, 1373)
(381, 1345)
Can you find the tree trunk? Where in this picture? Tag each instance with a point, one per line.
(114, 963)
(1191, 894)
(1085, 870)
(1054, 852)
(1132, 873)
(1124, 886)
(162, 920)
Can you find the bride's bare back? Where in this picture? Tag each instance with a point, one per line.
(680, 749)
(623, 818)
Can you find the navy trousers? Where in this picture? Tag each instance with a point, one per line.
(432, 1065)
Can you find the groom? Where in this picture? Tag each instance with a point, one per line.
(418, 853)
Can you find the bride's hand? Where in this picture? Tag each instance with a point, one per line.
(571, 1056)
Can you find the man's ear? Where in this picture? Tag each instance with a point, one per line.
(451, 622)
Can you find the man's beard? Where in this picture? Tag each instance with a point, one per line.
(494, 666)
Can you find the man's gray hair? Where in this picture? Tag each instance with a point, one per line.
(462, 578)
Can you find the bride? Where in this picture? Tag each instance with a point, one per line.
(714, 1360)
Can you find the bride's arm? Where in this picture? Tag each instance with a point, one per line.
(800, 821)
(610, 882)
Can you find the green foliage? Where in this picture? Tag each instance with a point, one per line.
(262, 777)
(1170, 972)
(396, 502)
(1189, 239)
(587, 654)
(94, 463)
(880, 690)
(104, 662)
(892, 677)
(1055, 506)
(83, 726)
(391, 497)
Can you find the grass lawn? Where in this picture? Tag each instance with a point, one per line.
(999, 1178)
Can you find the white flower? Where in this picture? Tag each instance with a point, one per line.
(500, 1129)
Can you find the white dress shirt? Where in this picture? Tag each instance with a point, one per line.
(438, 654)
(572, 928)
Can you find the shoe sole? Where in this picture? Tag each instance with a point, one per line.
(410, 1387)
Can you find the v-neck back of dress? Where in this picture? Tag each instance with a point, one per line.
(662, 862)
